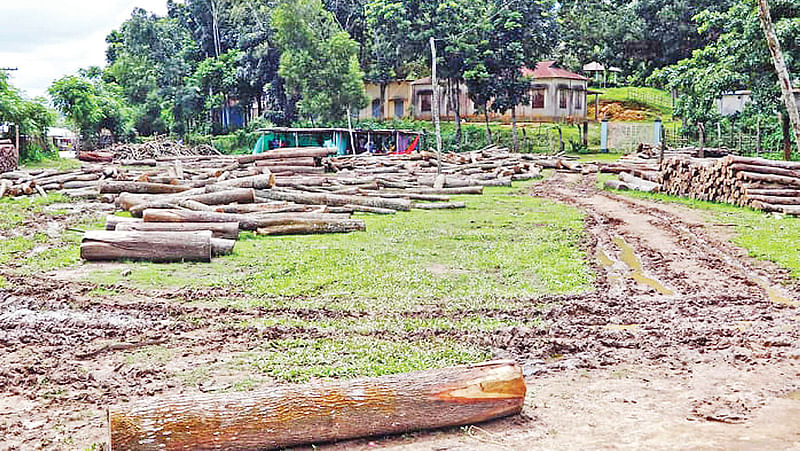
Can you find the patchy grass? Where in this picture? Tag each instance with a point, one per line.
(505, 246)
(656, 101)
(60, 164)
(298, 360)
(765, 236)
(599, 157)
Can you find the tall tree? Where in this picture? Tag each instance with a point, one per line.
(319, 61)
(519, 38)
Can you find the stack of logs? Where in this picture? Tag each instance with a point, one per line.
(185, 208)
(769, 185)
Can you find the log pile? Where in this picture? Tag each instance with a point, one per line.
(286, 191)
(769, 185)
(160, 147)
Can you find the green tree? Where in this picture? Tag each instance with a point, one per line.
(738, 58)
(31, 118)
(92, 105)
(319, 61)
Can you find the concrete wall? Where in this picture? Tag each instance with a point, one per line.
(732, 103)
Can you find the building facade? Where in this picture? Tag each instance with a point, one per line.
(556, 95)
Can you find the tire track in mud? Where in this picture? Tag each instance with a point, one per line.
(713, 304)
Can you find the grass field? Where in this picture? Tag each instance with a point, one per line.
(415, 290)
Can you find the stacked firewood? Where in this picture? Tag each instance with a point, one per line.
(767, 185)
(160, 147)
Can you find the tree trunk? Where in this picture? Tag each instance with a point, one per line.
(246, 221)
(141, 187)
(454, 95)
(787, 137)
(296, 152)
(261, 181)
(290, 415)
(112, 221)
(514, 145)
(102, 245)
(335, 199)
(436, 122)
(486, 119)
(227, 230)
(783, 73)
(314, 227)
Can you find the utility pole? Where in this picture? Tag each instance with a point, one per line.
(783, 74)
(435, 83)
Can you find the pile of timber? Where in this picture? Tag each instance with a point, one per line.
(768, 185)
(160, 147)
(280, 192)
(648, 151)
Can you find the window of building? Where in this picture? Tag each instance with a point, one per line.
(377, 109)
(538, 98)
(578, 99)
(426, 101)
(563, 95)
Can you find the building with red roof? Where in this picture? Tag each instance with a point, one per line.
(556, 95)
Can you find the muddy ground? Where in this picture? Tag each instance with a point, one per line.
(685, 343)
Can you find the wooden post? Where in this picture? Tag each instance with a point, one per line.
(783, 73)
(436, 123)
(350, 129)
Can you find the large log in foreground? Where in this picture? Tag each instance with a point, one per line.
(104, 245)
(290, 415)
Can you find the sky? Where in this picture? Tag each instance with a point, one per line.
(47, 39)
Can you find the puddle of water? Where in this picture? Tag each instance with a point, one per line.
(628, 256)
(622, 327)
(775, 293)
(603, 259)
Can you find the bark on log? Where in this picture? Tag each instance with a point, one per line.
(246, 222)
(298, 152)
(336, 199)
(638, 184)
(261, 181)
(291, 415)
(366, 209)
(141, 188)
(464, 190)
(226, 230)
(221, 246)
(314, 226)
(438, 206)
(103, 245)
(112, 221)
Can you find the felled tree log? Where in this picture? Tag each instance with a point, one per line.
(336, 199)
(227, 230)
(112, 221)
(141, 188)
(246, 221)
(366, 209)
(314, 226)
(464, 190)
(221, 246)
(104, 245)
(297, 152)
(261, 181)
(638, 184)
(438, 206)
(290, 415)
(616, 184)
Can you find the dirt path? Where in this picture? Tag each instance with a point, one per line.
(686, 343)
